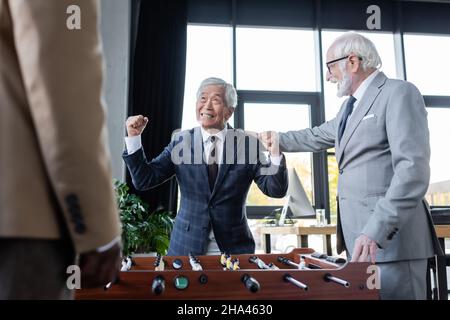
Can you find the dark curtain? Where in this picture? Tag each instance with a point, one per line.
(157, 74)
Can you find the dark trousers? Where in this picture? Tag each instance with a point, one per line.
(35, 269)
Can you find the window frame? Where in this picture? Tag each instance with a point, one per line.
(312, 99)
(438, 102)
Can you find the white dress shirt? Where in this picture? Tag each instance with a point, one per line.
(361, 90)
(207, 144)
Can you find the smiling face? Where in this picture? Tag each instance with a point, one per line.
(336, 75)
(211, 110)
(347, 77)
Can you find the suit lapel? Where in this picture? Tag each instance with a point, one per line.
(363, 107)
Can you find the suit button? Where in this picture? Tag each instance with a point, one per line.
(341, 171)
(80, 228)
(72, 200)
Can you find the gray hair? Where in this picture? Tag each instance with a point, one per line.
(230, 91)
(352, 42)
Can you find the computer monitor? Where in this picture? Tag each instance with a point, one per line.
(297, 202)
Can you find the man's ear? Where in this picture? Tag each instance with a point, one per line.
(355, 63)
(229, 113)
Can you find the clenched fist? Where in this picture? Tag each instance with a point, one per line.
(270, 140)
(135, 125)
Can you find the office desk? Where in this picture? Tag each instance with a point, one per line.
(302, 233)
(442, 231)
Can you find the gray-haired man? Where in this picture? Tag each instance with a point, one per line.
(382, 149)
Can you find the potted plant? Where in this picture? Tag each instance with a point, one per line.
(142, 231)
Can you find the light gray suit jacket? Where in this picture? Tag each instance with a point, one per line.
(384, 171)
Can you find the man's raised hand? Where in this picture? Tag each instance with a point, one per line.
(136, 125)
(270, 141)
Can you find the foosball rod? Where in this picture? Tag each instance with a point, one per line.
(158, 285)
(250, 283)
(311, 265)
(195, 263)
(288, 262)
(126, 265)
(261, 264)
(328, 277)
(109, 284)
(159, 263)
(287, 277)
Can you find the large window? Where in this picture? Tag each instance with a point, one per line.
(425, 57)
(209, 54)
(275, 59)
(280, 117)
(439, 190)
(427, 65)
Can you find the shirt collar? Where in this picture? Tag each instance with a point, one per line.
(220, 135)
(359, 93)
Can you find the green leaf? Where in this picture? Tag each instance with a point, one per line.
(142, 231)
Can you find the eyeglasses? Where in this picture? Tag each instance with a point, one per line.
(336, 60)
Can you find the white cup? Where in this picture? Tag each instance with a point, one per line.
(320, 217)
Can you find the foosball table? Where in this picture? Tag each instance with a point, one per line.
(299, 275)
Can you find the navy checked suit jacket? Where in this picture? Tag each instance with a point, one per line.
(223, 209)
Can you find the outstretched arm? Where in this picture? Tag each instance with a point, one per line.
(309, 140)
(146, 174)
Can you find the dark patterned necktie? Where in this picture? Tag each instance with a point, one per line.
(213, 167)
(348, 110)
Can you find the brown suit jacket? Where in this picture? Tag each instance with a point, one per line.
(54, 165)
